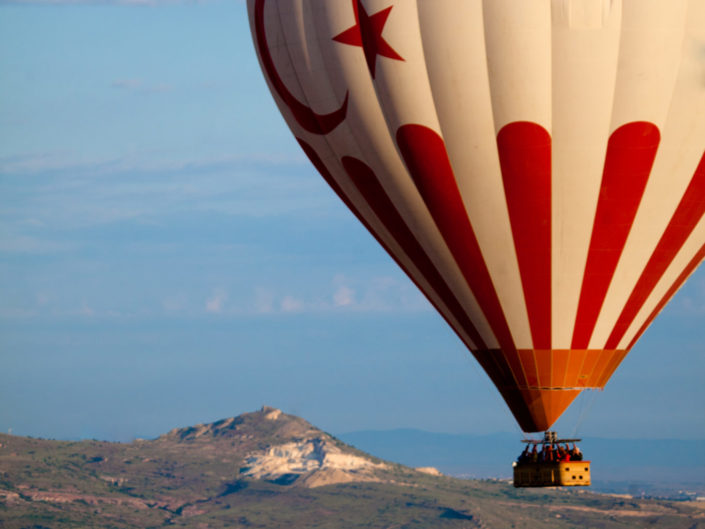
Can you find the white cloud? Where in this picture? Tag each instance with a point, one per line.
(291, 304)
(216, 302)
(390, 294)
(85, 310)
(344, 296)
(377, 294)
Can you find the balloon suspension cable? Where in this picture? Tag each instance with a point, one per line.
(586, 404)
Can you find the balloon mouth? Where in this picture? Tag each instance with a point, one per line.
(536, 410)
(538, 385)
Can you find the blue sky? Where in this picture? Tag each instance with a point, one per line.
(169, 257)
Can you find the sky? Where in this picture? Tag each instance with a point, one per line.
(169, 257)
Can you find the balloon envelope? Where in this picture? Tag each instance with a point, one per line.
(536, 167)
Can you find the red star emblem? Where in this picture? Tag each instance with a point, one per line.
(367, 33)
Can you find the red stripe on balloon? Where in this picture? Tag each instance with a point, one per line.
(304, 116)
(630, 155)
(692, 265)
(366, 182)
(688, 213)
(328, 177)
(525, 158)
(426, 159)
(368, 185)
(385, 211)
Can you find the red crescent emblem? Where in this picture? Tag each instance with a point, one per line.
(305, 116)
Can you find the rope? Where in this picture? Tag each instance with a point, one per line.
(584, 409)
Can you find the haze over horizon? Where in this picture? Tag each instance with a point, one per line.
(169, 257)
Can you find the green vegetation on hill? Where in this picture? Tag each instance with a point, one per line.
(195, 477)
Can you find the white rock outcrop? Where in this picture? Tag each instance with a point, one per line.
(271, 414)
(310, 456)
(433, 471)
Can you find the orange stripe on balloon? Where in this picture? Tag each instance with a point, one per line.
(602, 362)
(560, 359)
(544, 367)
(591, 358)
(630, 155)
(616, 359)
(575, 367)
(545, 406)
(568, 368)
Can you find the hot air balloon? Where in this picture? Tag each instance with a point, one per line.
(536, 167)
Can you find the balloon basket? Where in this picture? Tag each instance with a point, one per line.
(553, 465)
(562, 474)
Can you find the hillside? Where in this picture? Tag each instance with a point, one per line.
(270, 469)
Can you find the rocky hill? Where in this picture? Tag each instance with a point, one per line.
(279, 448)
(270, 469)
